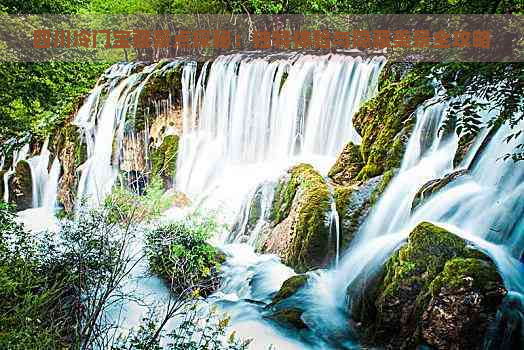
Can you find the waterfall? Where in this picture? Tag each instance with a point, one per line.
(18, 156)
(484, 207)
(103, 125)
(257, 116)
(44, 180)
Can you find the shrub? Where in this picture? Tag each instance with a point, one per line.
(126, 207)
(179, 252)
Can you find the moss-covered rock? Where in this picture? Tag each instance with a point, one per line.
(21, 187)
(289, 288)
(163, 160)
(433, 186)
(66, 143)
(380, 122)
(464, 303)
(348, 165)
(299, 215)
(434, 274)
(283, 309)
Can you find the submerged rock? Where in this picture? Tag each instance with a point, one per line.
(433, 186)
(283, 309)
(435, 290)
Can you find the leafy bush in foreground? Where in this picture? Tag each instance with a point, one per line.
(179, 253)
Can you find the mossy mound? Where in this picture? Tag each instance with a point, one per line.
(283, 309)
(300, 211)
(433, 186)
(21, 187)
(427, 282)
(163, 159)
(67, 145)
(289, 288)
(381, 120)
(348, 165)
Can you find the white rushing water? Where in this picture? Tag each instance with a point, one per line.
(44, 179)
(254, 117)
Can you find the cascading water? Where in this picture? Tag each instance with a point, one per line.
(244, 120)
(18, 156)
(44, 180)
(104, 126)
(257, 116)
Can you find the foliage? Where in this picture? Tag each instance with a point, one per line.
(37, 97)
(195, 332)
(126, 206)
(179, 252)
(34, 301)
(483, 87)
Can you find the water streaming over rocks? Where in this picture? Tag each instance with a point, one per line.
(244, 121)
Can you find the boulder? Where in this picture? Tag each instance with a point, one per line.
(299, 215)
(283, 309)
(21, 187)
(433, 186)
(348, 165)
(435, 291)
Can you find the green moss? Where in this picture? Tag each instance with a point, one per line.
(348, 165)
(413, 275)
(310, 236)
(459, 273)
(380, 119)
(163, 159)
(410, 271)
(290, 317)
(310, 242)
(286, 188)
(290, 287)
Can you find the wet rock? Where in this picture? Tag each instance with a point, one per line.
(435, 290)
(353, 205)
(300, 220)
(289, 288)
(283, 309)
(21, 187)
(465, 298)
(380, 120)
(433, 186)
(72, 153)
(348, 165)
(163, 160)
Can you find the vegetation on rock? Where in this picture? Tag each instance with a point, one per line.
(380, 122)
(304, 242)
(180, 254)
(347, 166)
(404, 307)
(163, 159)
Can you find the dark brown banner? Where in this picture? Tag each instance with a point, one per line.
(408, 38)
